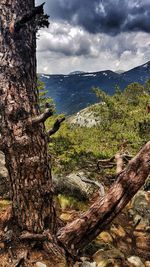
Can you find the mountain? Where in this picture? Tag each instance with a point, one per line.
(139, 74)
(73, 92)
(76, 72)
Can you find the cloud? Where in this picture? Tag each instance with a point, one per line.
(92, 35)
(103, 16)
(64, 48)
(67, 40)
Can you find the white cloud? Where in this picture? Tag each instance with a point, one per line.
(64, 48)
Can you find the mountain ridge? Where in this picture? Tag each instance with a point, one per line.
(72, 92)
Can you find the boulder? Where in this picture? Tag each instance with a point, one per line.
(4, 184)
(140, 208)
(40, 264)
(135, 261)
(108, 254)
(72, 185)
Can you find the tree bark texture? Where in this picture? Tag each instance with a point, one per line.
(24, 143)
(77, 234)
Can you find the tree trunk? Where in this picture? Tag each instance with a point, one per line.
(24, 143)
(106, 208)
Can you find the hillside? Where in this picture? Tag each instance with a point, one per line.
(72, 92)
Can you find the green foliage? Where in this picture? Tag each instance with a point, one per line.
(67, 202)
(43, 98)
(124, 124)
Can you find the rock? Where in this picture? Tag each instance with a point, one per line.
(88, 264)
(106, 256)
(3, 170)
(71, 185)
(135, 261)
(85, 264)
(2, 246)
(66, 217)
(141, 206)
(86, 117)
(4, 185)
(147, 263)
(118, 231)
(40, 264)
(105, 236)
(146, 186)
(105, 263)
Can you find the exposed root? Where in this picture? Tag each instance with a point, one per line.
(22, 249)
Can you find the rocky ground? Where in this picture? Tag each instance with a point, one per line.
(85, 117)
(125, 243)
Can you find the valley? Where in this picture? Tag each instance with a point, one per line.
(73, 92)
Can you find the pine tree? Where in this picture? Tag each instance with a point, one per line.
(25, 144)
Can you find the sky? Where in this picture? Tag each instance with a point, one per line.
(94, 35)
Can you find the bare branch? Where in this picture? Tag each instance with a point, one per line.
(119, 163)
(42, 117)
(108, 166)
(104, 209)
(106, 163)
(96, 183)
(56, 126)
(109, 163)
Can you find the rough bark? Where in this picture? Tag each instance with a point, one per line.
(104, 209)
(23, 142)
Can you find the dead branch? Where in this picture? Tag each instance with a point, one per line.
(42, 117)
(106, 208)
(56, 126)
(96, 183)
(105, 161)
(110, 163)
(119, 163)
(108, 166)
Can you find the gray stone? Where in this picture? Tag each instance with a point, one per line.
(4, 185)
(141, 208)
(40, 264)
(72, 185)
(135, 261)
(86, 117)
(88, 264)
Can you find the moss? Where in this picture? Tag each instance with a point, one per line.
(4, 204)
(67, 202)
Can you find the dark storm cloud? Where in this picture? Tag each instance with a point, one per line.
(67, 40)
(103, 16)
